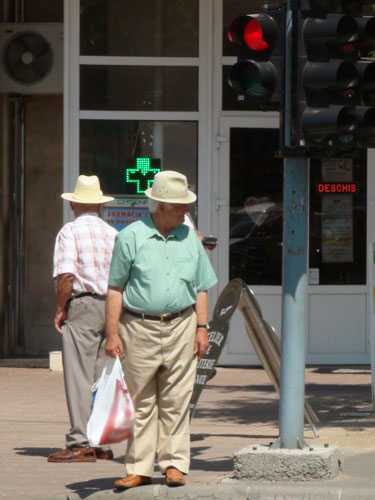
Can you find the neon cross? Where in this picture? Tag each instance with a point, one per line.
(142, 174)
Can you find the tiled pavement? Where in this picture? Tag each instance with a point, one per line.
(239, 407)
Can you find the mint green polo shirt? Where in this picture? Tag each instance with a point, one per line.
(161, 275)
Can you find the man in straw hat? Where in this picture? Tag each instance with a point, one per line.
(157, 322)
(82, 259)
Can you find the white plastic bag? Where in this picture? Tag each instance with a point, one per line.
(112, 415)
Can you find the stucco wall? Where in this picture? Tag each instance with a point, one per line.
(43, 218)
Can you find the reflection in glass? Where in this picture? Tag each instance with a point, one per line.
(108, 148)
(140, 28)
(256, 211)
(139, 88)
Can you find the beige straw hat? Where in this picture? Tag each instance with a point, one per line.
(170, 187)
(87, 191)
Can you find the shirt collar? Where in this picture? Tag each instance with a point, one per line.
(94, 214)
(178, 232)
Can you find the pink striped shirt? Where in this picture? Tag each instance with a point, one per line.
(84, 248)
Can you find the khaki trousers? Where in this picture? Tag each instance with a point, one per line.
(83, 360)
(159, 367)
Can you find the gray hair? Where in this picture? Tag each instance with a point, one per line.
(153, 205)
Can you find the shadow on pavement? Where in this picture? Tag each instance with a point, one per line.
(36, 452)
(329, 402)
(86, 488)
(216, 465)
(45, 452)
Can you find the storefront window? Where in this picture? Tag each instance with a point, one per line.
(140, 28)
(337, 232)
(139, 88)
(125, 155)
(338, 221)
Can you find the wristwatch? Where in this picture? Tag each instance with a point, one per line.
(203, 325)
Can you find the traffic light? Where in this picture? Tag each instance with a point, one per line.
(334, 92)
(257, 76)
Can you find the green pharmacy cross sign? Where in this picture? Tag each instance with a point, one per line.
(142, 175)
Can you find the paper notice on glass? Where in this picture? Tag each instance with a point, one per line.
(337, 228)
(314, 276)
(337, 170)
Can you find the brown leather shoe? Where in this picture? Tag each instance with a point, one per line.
(131, 481)
(103, 454)
(173, 477)
(73, 454)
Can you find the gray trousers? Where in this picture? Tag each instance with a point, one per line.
(83, 360)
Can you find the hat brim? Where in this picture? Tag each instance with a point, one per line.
(190, 197)
(74, 199)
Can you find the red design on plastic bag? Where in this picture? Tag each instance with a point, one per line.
(120, 422)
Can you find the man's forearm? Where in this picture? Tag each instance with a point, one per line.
(64, 290)
(113, 310)
(201, 308)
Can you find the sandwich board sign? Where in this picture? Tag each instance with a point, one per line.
(218, 330)
(261, 334)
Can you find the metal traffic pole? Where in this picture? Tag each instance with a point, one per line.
(294, 294)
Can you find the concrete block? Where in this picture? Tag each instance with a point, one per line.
(55, 361)
(261, 463)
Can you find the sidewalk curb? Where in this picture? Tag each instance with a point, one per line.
(240, 490)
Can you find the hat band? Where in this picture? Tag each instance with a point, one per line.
(85, 199)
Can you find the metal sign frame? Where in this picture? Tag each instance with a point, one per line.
(261, 334)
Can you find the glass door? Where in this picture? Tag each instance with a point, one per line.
(250, 221)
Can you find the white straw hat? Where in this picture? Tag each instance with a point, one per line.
(87, 191)
(170, 187)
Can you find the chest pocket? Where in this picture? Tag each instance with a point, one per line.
(186, 270)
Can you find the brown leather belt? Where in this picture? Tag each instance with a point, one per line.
(83, 294)
(162, 318)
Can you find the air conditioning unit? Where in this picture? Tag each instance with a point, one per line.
(31, 58)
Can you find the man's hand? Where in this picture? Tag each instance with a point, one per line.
(113, 308)
(60, 317)
(201, 342)
(114, 346)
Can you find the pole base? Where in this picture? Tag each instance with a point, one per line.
(261, 463)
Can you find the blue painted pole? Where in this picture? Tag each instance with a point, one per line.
(294, 297)
(294, 303)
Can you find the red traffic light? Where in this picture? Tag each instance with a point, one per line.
(257, 32)
(253, 36)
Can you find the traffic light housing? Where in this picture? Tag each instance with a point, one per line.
(257, 76)
(334, 89)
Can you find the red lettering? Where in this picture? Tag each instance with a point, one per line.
(320, 188)
(353, 188)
